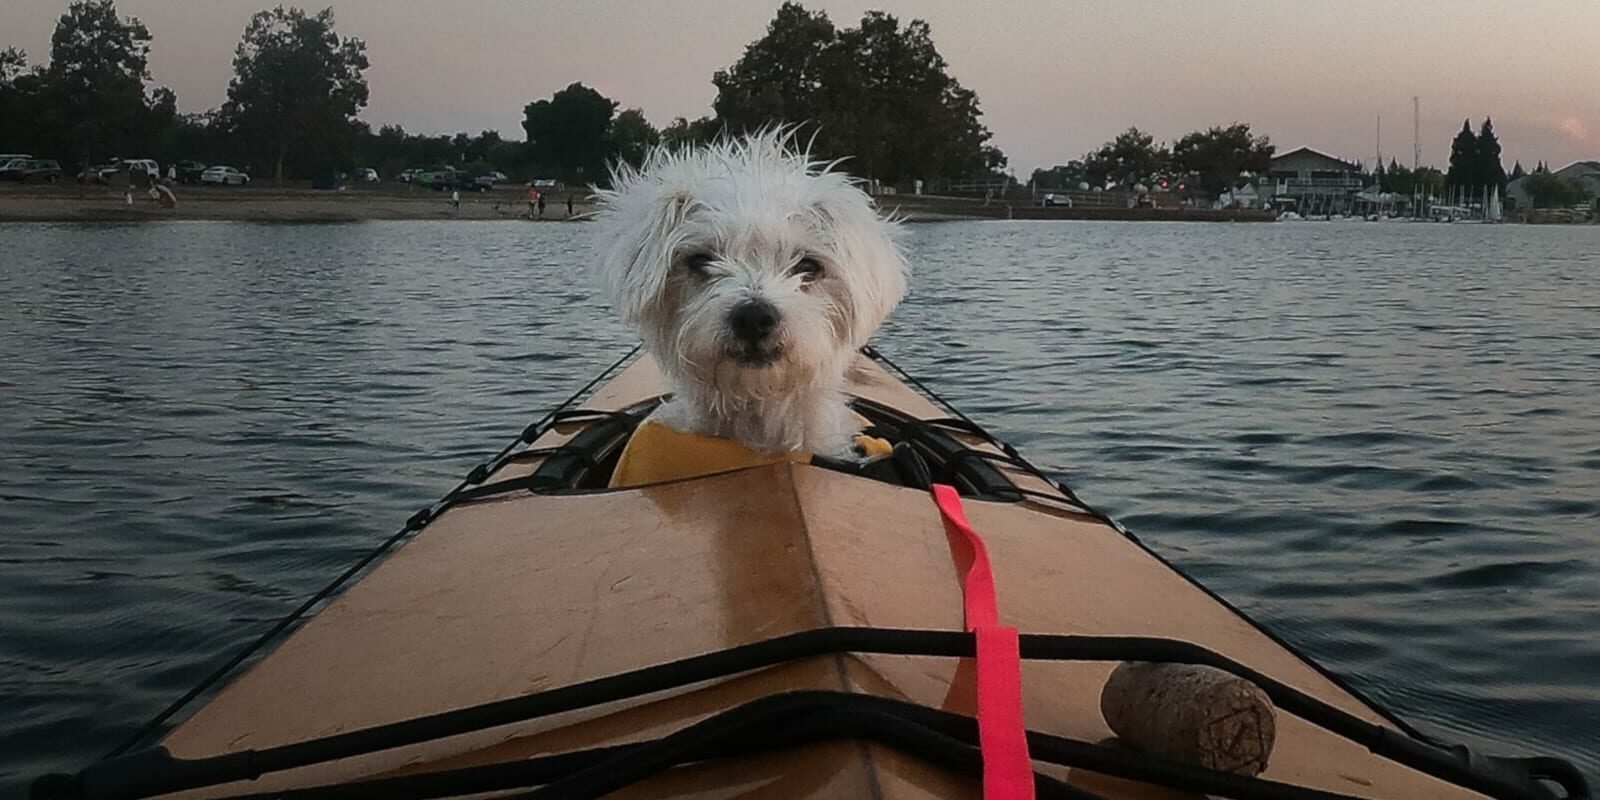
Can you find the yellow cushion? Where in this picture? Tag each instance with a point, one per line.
(657, 453)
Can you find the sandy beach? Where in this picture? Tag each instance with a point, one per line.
(74, 203)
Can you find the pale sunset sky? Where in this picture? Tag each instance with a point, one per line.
(1055, 78)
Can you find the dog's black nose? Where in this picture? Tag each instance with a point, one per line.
(753, 321)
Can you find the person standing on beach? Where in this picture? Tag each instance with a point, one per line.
(533, 201)
(541, 205)
(455, 199)
(569, 206)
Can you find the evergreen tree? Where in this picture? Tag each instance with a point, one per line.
(1489, 170)
(1463, 157)
(1517, 170)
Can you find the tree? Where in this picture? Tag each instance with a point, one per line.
(1464, 158)
(684, 132)
(1060, 177)
(19, 89)
(1395, 178)
(13, 63)
(94, 86)
(1548, 190)
(632, 136)
(1489, 172)
(1428, 181)
(879, 93)
(296, 88)
(571, 132)
(1218, 155)
(1132, 157)
(785, 76)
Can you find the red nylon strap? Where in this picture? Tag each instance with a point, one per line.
(1002, 737)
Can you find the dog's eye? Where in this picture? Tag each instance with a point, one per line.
(699, 262)
(807, 268)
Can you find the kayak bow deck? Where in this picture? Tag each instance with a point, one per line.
(520, 592)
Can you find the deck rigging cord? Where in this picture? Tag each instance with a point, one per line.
(153, 771)
(779, 721)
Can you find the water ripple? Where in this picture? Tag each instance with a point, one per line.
(1381, 441)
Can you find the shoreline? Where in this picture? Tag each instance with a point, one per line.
(75, 203)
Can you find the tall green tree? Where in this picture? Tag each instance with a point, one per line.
(1517, 171)
(1218, 155)
(879, 93)
(1464, 158)
(1132, 157)
(1490, 171)
(632, 136)
(296, 89)
(94, 86)
(570, 133)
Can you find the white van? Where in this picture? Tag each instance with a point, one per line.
(146, 165)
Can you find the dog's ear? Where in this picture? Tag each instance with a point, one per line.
(638, 231)
(870, 261)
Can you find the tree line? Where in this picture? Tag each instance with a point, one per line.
(1216, 160)
(1207, 162)
(879, 93)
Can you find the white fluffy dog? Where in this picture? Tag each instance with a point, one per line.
(753, 275)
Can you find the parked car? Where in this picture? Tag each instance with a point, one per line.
(12, 169)
(224, 175)
(1057, 200)
(407, 176)
(496, 176)
(146, 165)
(367, 175)
(99, 173)
(189, 171)
(438, 178)
(42, 170)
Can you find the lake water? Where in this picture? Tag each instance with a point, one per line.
(1382, 441)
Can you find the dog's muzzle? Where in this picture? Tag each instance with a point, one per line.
(753, 324)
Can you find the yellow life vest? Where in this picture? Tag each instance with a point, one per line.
(657, 453)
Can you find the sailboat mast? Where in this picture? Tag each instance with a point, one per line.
(1416, 133)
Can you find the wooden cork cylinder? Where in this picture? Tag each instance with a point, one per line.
(1192, 714)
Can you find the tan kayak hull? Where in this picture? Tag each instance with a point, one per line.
(508, 596)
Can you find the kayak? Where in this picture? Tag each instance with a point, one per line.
(784, 630)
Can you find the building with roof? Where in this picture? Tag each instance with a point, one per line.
(1312, 182)
(1584, 172)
